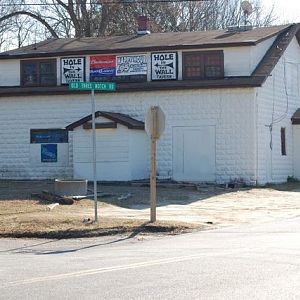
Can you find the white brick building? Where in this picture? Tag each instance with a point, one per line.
(228, 98)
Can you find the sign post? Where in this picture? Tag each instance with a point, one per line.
(94, 155)
(92, 86)
(154, 125)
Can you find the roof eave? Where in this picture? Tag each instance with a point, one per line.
(127, 50)
(229, 82)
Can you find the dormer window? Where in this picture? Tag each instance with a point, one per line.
(38, 72)
(203, 65)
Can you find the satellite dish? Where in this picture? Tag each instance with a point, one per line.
(247, 8)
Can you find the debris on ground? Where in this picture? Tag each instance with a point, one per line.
(51, 206)
(79, 197)
(99, 194)
(124, 197)
(86, 221)
(236, 183)
(48, 196)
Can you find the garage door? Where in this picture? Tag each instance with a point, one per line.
(194, 153)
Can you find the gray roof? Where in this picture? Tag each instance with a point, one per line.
(284, 35)
(149, 42)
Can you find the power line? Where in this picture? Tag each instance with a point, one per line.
(102, 2)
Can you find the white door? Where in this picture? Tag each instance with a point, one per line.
(194, 153)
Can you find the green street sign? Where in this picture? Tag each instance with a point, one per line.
(97, 86)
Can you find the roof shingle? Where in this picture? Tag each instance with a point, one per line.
(150, 42)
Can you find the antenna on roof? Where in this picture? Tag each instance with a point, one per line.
(247, 10)
(246, 6)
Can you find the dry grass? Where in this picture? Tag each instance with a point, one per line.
(23, 216)
(32, 218)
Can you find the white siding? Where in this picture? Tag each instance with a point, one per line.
(241, 61)
(10, 72)
(296, 152)
(258, 52)
(277, 100)
(237, 62)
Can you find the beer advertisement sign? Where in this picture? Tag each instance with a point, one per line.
(102, 66)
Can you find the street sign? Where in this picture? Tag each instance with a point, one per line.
(96, 86)
(93, 86)
(155, 122)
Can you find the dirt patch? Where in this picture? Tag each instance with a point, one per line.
(27, 217)
(125, 209)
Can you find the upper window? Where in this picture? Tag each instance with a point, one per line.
(38, 72)
(203, 65)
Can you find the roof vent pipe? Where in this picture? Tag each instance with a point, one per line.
(241, 28)
(143, 25)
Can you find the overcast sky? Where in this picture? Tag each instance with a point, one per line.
(286, 10)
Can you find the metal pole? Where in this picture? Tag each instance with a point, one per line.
(154, 134)
(153, 181)
(94, 154)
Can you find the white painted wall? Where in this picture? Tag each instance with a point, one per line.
(241, 61)
(277, 101)
(237, 61)
(296, 152)
(229, 110)
(258, 52)
(10, 72)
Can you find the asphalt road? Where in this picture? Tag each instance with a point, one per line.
(248, 262)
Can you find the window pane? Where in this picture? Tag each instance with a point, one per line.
(46, 68)
(213, 72)
(38, 72)
(47, 79)
(48, 136)
(29, 76)
(203, 65)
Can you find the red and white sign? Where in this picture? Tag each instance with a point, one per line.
(102, 65)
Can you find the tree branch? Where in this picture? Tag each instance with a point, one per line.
(32, 15)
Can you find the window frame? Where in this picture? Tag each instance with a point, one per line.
(204, 55)
(38, 63)
(35, 140)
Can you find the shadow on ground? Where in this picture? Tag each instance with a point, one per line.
(135, 196)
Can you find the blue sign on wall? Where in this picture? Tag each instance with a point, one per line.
(49, 152)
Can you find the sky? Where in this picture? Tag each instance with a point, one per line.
(286, 10)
